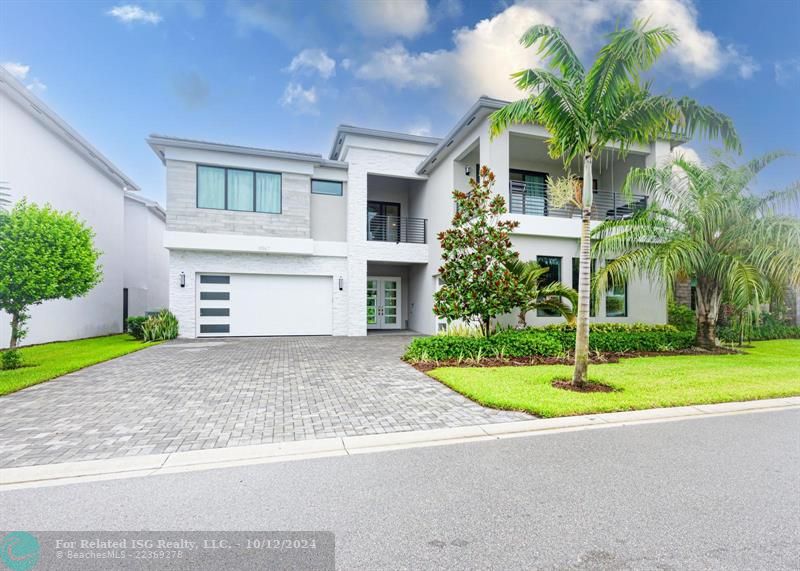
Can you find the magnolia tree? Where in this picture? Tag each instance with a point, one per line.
(476, 284)
(44, 254)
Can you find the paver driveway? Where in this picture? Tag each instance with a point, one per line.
(190, 395)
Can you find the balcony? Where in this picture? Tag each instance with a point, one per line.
(531, 198)
(384, 228)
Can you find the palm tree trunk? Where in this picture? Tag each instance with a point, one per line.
(522, 322)
(708, 301)
(581, 372)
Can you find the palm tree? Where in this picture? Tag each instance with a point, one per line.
(586, 111)
(703, 223)
(540, 296)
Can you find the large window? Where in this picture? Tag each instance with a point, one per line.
(616, 299)
(553, 274)
(330, 187)
(238, 189)
(576, 275)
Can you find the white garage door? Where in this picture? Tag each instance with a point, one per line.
(245, 304)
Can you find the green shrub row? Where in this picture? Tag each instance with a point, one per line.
(626, 338)
(761, 333)
(550, 341)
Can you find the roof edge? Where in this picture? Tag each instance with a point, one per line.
(341, 130)
(149, 204)
(53, 121)
(155, 140)
(483, 102)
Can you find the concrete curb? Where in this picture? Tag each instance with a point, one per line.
(157, 464)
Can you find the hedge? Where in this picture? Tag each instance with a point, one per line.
(550, 341)
(762, 333)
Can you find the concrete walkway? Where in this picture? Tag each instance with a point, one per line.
(207, 394)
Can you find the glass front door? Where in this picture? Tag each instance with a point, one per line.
(384, 303)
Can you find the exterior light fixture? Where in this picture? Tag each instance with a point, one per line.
(341, 283)
(183, 279)
(467, 170)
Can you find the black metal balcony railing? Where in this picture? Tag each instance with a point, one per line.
(382, 228)
(531, 198)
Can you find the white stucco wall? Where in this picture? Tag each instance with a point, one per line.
(42, 167)
(146, 267)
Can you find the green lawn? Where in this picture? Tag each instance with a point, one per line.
(771, 369)
(45, 362)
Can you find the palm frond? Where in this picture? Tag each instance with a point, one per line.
(628, 52)
(555, 48)
(693, 119)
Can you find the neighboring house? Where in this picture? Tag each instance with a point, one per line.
(276, 243)
(146, 260)
(46, 161)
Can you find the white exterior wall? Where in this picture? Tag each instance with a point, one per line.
(392, 158)
(146, 259)
(182, 300)
(40, 166)
(536, 235)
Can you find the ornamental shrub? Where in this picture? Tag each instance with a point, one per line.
(134, 324)
(10, 359)
(160, 327)
(681, 316)
(550, 341)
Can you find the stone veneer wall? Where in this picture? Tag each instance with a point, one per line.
(183, 215)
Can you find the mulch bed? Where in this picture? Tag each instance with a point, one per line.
(594, 358)
(589, 387)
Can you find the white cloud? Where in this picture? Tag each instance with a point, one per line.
(130, 13)
(314, 59)
(20, 71)
(483, 57)
(787, 72)
(406, 18)
(699, 52)
(421, 128)
(36, 85)
(300, 100)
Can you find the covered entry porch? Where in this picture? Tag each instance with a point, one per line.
(390, 300)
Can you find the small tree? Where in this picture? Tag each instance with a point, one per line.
(556, 297)
(44, 254)
(476, 282)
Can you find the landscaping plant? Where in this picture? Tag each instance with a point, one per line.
(44, 255)
(584, 111)
(703, 222)
(160, 327)
(476, 283)
(555, 296)
(681, 316)
(134, 325)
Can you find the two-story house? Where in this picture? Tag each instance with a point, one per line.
(267, 242)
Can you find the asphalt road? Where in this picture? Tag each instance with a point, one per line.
(714, 493)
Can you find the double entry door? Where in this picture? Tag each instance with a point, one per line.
(383, 303)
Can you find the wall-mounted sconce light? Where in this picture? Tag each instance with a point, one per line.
(183, 279)
(341, 283)
(467, 170)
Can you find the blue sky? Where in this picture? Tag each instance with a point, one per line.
(282, 74)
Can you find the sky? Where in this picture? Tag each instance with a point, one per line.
(283, 74)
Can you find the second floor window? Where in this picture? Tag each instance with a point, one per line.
(236, 189)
